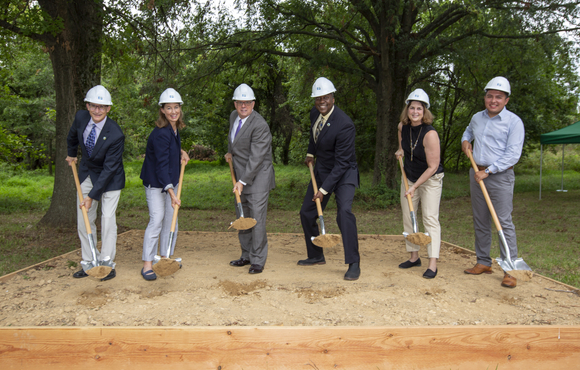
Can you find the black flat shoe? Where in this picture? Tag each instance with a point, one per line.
(353, 272)
(149, 275)
(256, 269)
(239, 263)
(312, 261)
(111, 275)
(429, 274)
(409, 264)
(80, 274)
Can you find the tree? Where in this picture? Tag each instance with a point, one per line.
(386, 43)
(71, 33)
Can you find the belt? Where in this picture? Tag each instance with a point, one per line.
(481, 168)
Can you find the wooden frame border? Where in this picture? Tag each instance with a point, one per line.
(443, 347)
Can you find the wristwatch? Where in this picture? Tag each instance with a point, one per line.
(487, 171)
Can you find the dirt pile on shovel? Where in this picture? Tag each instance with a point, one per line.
(166, 267)
(521, 275)
(243, 223)
(99, 272)
(327, 240)
(419, 239)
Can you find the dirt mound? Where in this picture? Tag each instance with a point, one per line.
(208, 291)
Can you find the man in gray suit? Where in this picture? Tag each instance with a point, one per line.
(250, 151)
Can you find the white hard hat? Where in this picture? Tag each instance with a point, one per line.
(170, 96)
(418, 95)
(98, 95)
(244, 93)
(500, 84)
(322, 86)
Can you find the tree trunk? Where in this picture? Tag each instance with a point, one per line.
(75, 54)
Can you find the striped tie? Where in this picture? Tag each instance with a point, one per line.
(318, 129)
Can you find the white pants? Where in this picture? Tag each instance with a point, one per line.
(159, 227)
(429, 196)
(109, 202)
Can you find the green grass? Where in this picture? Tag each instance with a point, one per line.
(547, 229)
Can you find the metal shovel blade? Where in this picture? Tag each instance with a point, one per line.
(507, 264)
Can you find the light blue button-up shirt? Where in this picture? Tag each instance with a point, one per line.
(498, 140)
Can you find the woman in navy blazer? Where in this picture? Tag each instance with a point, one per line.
(160, 175)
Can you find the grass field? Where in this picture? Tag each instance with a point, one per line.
(547, 229)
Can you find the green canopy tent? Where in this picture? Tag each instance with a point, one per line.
(567, 135)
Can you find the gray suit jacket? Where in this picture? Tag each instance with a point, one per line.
(252, 153)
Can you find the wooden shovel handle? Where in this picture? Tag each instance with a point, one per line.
(234, 182)
(80, 193)
(315, 187)
(178, 195)
(406, 185)
(485, 194)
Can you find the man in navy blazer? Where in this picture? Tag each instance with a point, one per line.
(101, 171)
(332, 137)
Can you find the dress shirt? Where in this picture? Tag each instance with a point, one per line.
(233, 135)
(98, 127)
(325, 118)
(498, 140)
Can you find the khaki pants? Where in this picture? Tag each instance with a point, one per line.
(109, 201)
(428, 195)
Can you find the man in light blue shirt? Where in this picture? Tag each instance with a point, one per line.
(498, 137)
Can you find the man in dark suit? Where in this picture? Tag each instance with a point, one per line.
(101, 172)
(332, 137)
(250, 149)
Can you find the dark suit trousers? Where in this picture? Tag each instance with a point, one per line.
(344, 195)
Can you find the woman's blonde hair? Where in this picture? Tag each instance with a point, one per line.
(162, 120)
(427, 115)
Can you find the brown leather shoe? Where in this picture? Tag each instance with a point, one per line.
(479, 269)
(509, 281)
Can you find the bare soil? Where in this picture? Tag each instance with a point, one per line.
(209, 292)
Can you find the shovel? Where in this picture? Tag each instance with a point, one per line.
(506, 264)
(165, 266)
(93, 268)
(421, 239)
(241, 223)
(324, 240)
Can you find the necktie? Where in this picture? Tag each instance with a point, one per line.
(238, 129)
(318, 129)
(90, 144)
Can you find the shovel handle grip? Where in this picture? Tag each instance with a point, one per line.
(178, 195)
(315, 187)
(238, 200)
(406, 185)
(80, 193)
(485, 194)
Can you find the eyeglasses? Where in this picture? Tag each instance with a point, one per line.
(245, 103)
(93, 107)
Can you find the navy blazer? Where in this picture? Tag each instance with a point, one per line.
(334, 151)
(162, 162)
(105, 166)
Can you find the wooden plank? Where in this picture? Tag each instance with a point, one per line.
(485, 347)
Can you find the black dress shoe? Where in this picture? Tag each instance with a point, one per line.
(255, 269)
(409, 264)
(430, 274)
(111, 275)
(353, 271)
(80, 274)
(312, 261)
(239, 263)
